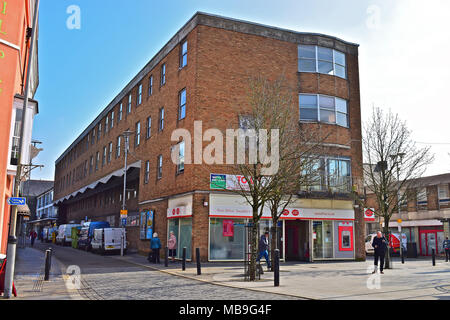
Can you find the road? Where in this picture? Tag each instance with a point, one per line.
(107, 278)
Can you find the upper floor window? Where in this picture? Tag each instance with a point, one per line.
(161, 119)
(139, 96)
(183, 54)
(163, 74)
(93, 136)
(129, 104)
(104, 156)
(321, 60)
(182, 105)
(99, 133)
(444, 196)
(149, 127)
(422, 200)
(112, 119)
(110, 150)
(159, 166)
(314, 107)
(91, 164)
(180, 160)
(137, 135)
(329, 173)
(97, 160)
(147, 171)
(106, 124)
(119, 118)
(150, 86)
(119, 140)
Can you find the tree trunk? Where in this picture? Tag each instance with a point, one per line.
(273, 243)
(387, 258)
(254, 251)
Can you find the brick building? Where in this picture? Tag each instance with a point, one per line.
(425, 214)
(202, 74)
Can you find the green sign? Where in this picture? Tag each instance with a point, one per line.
(218, 181)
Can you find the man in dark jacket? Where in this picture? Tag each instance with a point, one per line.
(379, 244)
(264, 248)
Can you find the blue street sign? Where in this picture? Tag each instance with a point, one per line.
(17, 201)
(124, 222)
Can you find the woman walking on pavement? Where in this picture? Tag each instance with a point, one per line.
(155, 245)
(171, 244)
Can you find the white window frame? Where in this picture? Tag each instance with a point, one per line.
(317, 61)
(318, 109)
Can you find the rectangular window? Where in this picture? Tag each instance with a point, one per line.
(149, 127)
(150, 86)
(324, 109)
(119, 118)
(332, 174)
(104, 156)
(180, 162)
(107, 124)
(182, 105)
(137, 134)
(159, 167)
(91, 164)
(110, 150)
(422, 200)
(444, 196)
(97, 160)
(163, 74)
(112, 119)
(119, 140)
(93, 136)
(139, 96)
(99, 132)
(183, 54)
(129, 104)
(87, 141)
(161, 119)
(147, 171)
(321, 60)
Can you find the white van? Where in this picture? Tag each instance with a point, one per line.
(64, 236)
(109, 239)
(393, 242)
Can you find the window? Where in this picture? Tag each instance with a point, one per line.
(332, 174)
(110, 150)
(119, 140)
(139, 95)
(422, 200)
(182, 105)
(119, 118)
(150, 86)
(161, 119)
(149, 128)
(314, 107)
(91, 164)
(112, 119)
(107, 124)
(159, 166)
(137, 136)
(147, 171)
(104, 156)
(180, 160)
(183, 54)
(444, 196)
(99, 133)
(87, 142)
(93, 136)
(163, 74)
(129, 104)
(321, 60)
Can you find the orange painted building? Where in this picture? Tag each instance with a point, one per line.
(15, 28)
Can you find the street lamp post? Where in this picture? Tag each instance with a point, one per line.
(394, 158)
(126, 136)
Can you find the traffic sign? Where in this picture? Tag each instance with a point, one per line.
(124, 222)
(17, 201)
(399, 221)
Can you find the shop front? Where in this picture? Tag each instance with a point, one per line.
(179, 221)
(305, 232)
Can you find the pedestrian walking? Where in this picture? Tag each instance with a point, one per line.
(264, 249)
(446, 246)
(379, 244)
(155, 245)
(33, 236)
(172, 245)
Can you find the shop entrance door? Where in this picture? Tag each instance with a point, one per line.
(297, 240)
(429, 240)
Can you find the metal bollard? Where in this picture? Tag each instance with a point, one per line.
(166, 258)
(433, 257)
(199, 267)
(183, 262)
(276, 270)
(403, 257)
(48, 255)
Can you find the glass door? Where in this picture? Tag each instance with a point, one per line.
(440, 242)
(323, 239)
(423, 244)
(317, 240)
(431, 242)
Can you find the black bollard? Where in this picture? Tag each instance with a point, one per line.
(183, 262)
(433, 257)
(48, 254)
(199, 267)
(276, 270)
(403, 257)
(166, 258)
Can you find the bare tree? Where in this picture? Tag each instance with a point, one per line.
(394, 163)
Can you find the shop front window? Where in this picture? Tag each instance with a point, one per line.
(182, 229)
(227, 239)
(323, 239)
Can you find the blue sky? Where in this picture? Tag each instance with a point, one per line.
(81, 71)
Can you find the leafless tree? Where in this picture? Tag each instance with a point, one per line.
(394, 163)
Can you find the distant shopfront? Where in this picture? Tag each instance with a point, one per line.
(308, 234)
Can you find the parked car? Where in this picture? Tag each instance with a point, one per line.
(87, 233)
(394, 243)
(108, 239)
(64, 236)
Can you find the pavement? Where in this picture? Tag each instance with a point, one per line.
(132, 277)
(29, 278)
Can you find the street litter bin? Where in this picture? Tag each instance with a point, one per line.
(411, 250)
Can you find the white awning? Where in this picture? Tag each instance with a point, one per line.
(104, 180)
